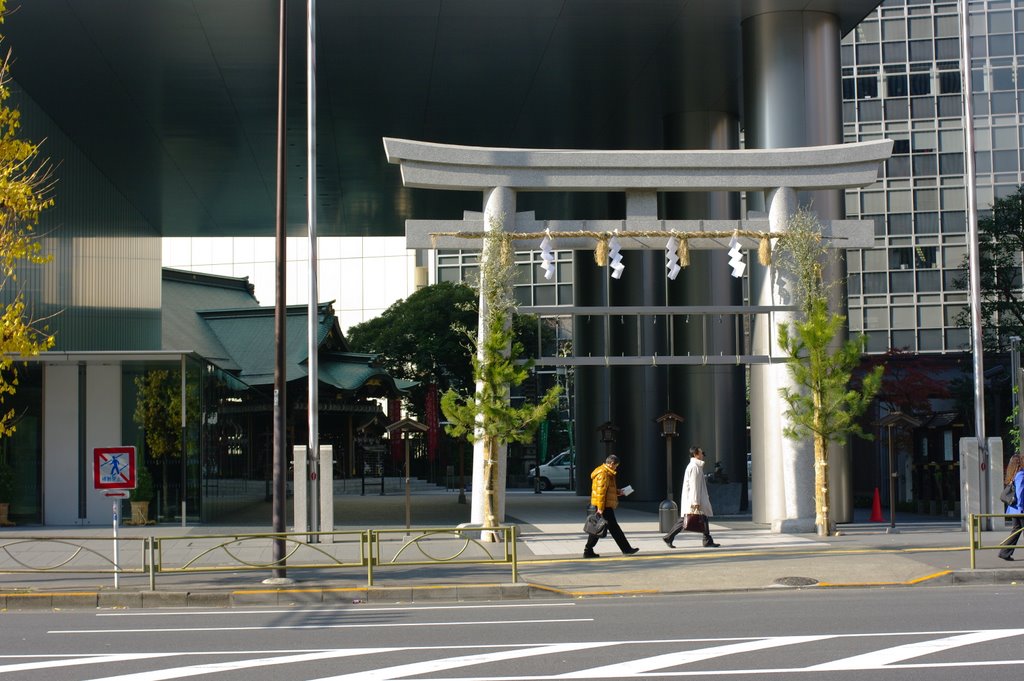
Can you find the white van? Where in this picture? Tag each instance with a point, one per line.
(556, 472)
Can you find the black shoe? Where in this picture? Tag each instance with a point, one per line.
(630, 552)
(590, 554)
(668, 542)
(1006, 557)
(711, 545)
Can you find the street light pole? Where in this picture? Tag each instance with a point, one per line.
(894, 418)
(406, 427)
(668, 511)
(892, 488)
(1017, 388)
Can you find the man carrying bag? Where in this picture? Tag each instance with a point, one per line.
(695, 498)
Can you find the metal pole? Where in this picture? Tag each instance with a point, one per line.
(408, 493)
(462, 472)
(973, 254)
(668, 466)
(184, 448)
(892, 488)
(281, 268)
(117, 560)
(1017, 388)
(313, 332)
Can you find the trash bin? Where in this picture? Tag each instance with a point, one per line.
(668, 514)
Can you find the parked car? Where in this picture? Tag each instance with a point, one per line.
(555, 473)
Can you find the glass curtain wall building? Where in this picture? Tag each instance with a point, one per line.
(901, 80)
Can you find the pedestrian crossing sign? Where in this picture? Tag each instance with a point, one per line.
(113, 467)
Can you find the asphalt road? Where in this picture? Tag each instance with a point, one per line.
(933, 633)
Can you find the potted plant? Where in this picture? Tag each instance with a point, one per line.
(141, 495)
(6, 492)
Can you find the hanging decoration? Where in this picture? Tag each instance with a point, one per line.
(736, 257)
(547, 256)
(615, 257)
(607, 246)
(672, 257)
(601, 251)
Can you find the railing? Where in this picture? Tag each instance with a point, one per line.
(371, 549)
(974, 523)
(71, 555)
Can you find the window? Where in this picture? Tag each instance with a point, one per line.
(897, 109)
(929, 315)
(904, 318)
(848, 88)
(926, 223)
(900, 224)
(901, 282)
(1002, 79)
(925, 164)
(904, 340)
(951, 164)
(922, 107)
(920, 84)
(894, 53)
(901, 258)
(929, 339)
(867, 87)
(949, 82)
(868, 54)
(870, 110)
(894, 29)
(927, 281)
(921, 50)
(874, 283)
(896, 86)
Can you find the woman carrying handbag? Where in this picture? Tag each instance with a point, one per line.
(1015, 474)
(694, 499)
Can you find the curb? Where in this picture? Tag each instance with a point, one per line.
(66, 600)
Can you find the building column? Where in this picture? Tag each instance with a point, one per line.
(711, 398)
(499, 212)
(792, 98)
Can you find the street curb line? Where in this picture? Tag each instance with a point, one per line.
(693, 556)
(909, 582)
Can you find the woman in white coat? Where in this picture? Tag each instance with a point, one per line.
(694, 499)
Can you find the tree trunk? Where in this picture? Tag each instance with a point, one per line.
(821, 491)
(490, 473)
(823, 514)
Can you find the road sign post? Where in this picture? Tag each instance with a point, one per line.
(113, 473)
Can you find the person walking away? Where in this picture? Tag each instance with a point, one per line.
(694, 497)
(1015, 473)
(604, 496)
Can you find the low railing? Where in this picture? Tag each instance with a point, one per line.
(974, 523)
(371, 549)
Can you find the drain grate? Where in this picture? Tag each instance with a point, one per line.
(796, 581)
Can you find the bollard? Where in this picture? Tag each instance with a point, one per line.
(668, 514)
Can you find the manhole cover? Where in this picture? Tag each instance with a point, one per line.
(796, 581)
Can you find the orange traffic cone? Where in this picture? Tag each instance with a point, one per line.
(876, 509)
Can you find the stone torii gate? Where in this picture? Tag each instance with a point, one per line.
(787, 483)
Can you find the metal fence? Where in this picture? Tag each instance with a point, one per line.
(974, 524)
(370, 549)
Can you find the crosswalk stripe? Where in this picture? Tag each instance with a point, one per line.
(212, 668)
(361, 625)
(675, 659)
(880, 658)
(75, 661)
(433, 666)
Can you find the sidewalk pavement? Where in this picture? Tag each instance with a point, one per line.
(924, 551)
